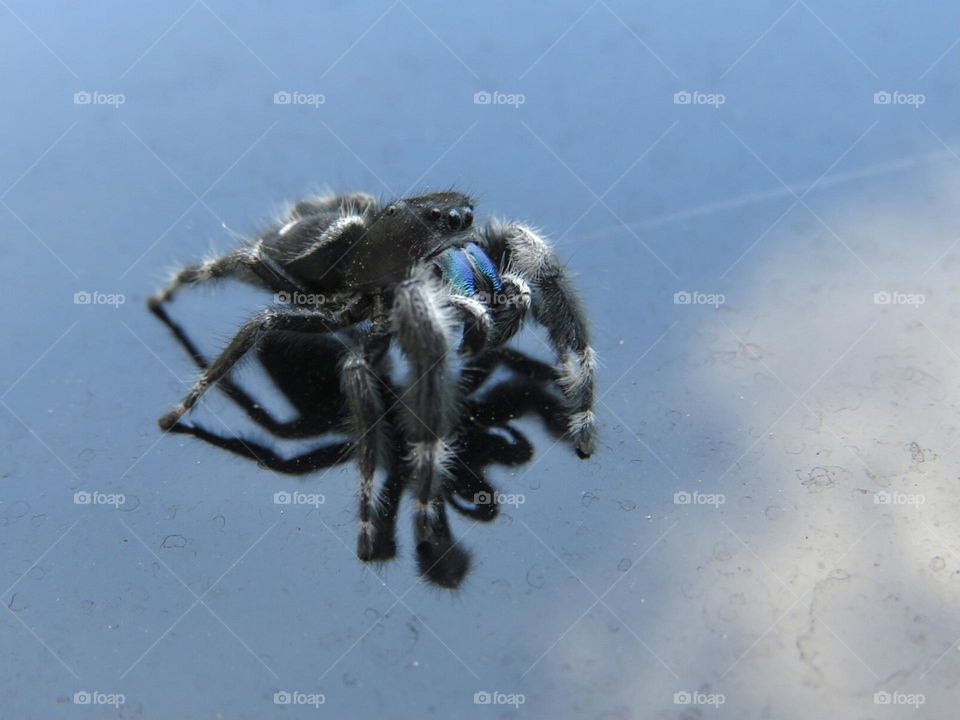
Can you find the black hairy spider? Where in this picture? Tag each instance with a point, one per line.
(418, 272)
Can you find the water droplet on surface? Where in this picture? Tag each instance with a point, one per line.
(174, 541)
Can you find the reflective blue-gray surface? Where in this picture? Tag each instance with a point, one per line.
(759, 200)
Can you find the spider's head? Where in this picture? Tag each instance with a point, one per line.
(426, 224)
(407, 232)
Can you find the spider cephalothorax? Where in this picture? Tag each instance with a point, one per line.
(358, 246)
(417, 272)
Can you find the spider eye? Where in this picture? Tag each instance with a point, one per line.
(392, 210)
(435, 214)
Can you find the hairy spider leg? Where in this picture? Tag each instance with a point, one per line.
(362, 384)
(556, 306)
(424, 324)
(511, 308)
(238, 263)
(255, 410)
(252, 331)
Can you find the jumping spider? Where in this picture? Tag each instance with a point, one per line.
(418, 272)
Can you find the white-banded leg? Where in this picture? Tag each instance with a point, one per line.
(294, 428)
(279, 320)
(477, 323)
(557, 307)
(512, 308)
(363, 390)
(234, 264)
(507, 309)
(424, 326)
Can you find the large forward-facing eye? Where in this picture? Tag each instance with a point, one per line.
(392, 210)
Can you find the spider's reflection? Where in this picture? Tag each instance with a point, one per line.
(505, 386)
